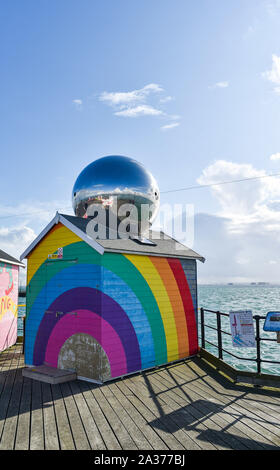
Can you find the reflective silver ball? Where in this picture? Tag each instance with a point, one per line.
(115, 177)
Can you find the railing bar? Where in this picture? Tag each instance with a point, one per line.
(238, 357)
(271, 362)
(215, 329)
(212, 327)
(220, 332)
(212, 344)
(202, 328)
(268, 339)
(227, 314)
(212, 311)
(225, 333)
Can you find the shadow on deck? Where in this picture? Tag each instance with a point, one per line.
(182, 406)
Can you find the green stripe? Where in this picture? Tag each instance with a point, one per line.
(119, 265)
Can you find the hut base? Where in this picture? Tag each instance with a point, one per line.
(50, 375)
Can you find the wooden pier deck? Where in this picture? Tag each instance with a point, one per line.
(181, 406)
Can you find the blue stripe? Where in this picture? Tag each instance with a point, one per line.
(89, 275)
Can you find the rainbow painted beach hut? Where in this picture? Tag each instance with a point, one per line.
(9, 270)
(108, 308)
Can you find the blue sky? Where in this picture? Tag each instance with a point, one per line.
(204, 106)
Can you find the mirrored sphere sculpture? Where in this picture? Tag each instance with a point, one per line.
(114, 178)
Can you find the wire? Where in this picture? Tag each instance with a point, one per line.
(219, 184)
(188, 188)
(29, 214)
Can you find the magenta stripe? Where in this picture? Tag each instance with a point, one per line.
(90, 323)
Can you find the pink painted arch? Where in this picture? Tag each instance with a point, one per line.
(92, 324)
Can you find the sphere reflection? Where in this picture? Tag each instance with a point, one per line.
(115, 177)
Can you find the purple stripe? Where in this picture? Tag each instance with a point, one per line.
(85, 298)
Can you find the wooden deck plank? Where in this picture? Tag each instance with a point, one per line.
(93, 435)
(37, 422)
(79, 435)
(180, 406)
(190, 414)
(23, 427)
(50, 428)
(205, 417)
(133, 430)
(153, 438)
(233, 415)
(10, 401)
(65, 437)
(125, 440)
(231, 419)
(260, 417)
(150, 412)
(255, 402)
(176, 415)
(6, 361)
(108, 436)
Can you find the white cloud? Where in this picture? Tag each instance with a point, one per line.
(273, 7)
(32, 211)
(249, 205)
(220, 85)
(241, 241)
(19, 225)
(29, 217)
(141, 102)
(141, 110)
(166, 99)
(170, 126)
(15, 239)
(77, 103)
(130, 97)
(245, 230)
(231, 257)
(273, 75)
(275, 157)
(251, 29)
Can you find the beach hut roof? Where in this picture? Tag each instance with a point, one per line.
(158, 245)
(5, 258)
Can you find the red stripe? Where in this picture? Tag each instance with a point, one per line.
(184, 289)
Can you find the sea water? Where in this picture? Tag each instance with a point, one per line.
(259, 299)
(21, 313)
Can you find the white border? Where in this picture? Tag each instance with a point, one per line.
(59, 218)
(16, 263)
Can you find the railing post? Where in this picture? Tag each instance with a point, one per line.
(258, 341)
(202, 328)
(23, 339)
(219, 331)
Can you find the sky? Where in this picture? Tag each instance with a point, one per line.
(189, 88)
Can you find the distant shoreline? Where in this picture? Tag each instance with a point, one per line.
(238, 285)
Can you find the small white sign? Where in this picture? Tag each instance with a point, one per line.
(242, 329)
(57, 255)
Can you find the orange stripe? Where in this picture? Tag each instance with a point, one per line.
(170, 284)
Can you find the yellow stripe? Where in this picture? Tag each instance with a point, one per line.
(147, 269)
(58, 237)
(174, 295)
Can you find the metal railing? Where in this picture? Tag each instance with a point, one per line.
(23, 328)
(220, 332)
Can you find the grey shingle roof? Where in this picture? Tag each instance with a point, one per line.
(9, 259)
(163, 245)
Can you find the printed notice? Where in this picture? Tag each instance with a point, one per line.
(242, 329)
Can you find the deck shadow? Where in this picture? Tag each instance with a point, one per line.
(226, 383)
(217, 436)
(187, 412)
(184, 418)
